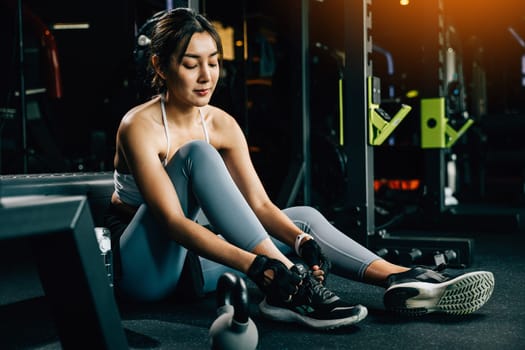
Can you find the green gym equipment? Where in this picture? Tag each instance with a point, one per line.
(436, 131)
(380, 123)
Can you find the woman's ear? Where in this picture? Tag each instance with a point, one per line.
(155, 62)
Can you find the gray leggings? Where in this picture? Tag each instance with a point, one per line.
(152, 262)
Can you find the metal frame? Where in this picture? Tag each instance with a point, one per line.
(360, 190)
(300, 170)
(360, 203)
(305, 99)
(433, 86)
(22, 85)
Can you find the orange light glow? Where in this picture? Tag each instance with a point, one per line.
(397, 185)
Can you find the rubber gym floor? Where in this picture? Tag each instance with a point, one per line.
(26, 321)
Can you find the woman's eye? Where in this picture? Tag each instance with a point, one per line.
(190, 66)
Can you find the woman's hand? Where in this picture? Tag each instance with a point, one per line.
(315, 259)
(274, 278)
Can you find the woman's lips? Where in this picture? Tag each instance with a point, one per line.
(202, 92)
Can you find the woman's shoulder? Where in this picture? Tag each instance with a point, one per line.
(217, 116)
(144, 108)
(141, 120)
(141, 112)
(225, 131)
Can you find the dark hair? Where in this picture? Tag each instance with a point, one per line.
(171, 36)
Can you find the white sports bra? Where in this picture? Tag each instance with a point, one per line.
(125, 186)
(166, 131)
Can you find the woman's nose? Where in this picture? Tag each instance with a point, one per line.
(204, 73)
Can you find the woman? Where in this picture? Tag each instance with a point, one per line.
(176, 155)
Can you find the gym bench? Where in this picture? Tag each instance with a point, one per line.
(56, 215)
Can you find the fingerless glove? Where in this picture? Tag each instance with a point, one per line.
(312, 255)
(285, 282)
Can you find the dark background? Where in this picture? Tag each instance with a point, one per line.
(99, 80)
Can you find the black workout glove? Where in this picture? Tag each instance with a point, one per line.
(312, 255)
(285, 282)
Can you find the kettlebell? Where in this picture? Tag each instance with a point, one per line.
(233, 328)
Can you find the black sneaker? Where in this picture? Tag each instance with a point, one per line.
(314, 305)
(420, 291)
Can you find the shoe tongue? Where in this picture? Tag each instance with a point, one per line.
(434, 275)
(427, 275)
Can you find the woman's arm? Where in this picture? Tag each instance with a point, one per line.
(140, 147)
(234, 149)
(237, 158)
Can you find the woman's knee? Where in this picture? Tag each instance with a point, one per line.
(196, 151)
(198, 148)
(303, 213)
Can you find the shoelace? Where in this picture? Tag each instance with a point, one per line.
(317, 288)
(311, 287)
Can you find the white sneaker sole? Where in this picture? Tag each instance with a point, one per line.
(459, 296)
(285, 315)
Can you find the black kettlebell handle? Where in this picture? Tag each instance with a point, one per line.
(231, 290)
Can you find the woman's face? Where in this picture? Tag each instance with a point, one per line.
(194, 79)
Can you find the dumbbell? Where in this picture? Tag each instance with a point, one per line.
(391, 255)
(410, 257)
(445, 258)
